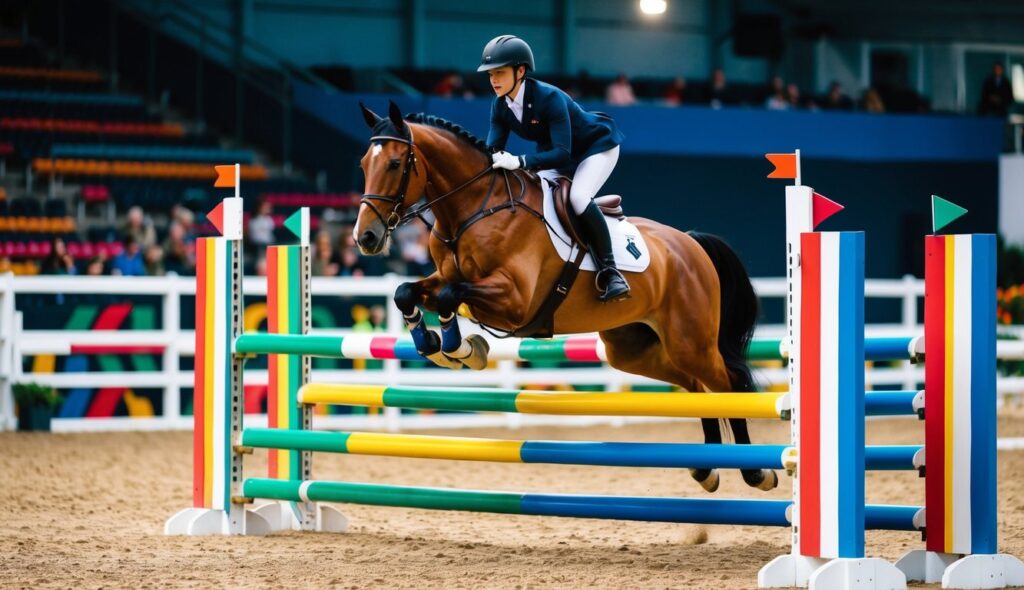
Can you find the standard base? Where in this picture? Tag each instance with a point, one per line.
(283, 516)
(207, 521)
(268, 518)
(864, 573)
(963, 572)
(787, 571)
(925, 566)
(984, 571)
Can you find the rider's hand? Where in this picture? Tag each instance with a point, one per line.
(507, 161)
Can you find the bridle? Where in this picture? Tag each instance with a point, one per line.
(396, 217)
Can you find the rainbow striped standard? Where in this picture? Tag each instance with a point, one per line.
(285, 371)
(609, 454)
(643, 508)
(830, 483)
(960, 393)
(213, 361)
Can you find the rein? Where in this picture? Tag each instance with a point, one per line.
(396, 218)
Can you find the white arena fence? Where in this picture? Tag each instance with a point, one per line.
(16, 343)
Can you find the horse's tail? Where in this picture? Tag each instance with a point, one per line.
(738, 306)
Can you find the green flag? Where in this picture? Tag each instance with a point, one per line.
(944, 212)
(298, 224)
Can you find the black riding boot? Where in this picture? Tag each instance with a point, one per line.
(595, 232)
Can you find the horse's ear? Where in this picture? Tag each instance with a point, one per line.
(369, 116)
(395, 113)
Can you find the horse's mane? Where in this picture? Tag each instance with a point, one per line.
(453, 128)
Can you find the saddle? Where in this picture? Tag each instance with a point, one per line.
(610, 205)
(542, 325)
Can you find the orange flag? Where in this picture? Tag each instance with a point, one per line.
(225, 176)
(785, 165)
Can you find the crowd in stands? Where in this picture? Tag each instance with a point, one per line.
(139, 252)
(996, 94)
(155, 175)
(716, 92)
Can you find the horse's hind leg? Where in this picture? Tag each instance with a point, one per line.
(698, 355)
(719, 379)
(637, 349)
(762, 479)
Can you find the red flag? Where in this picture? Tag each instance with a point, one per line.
(822, 208)
(216, 216)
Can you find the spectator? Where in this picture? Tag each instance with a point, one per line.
(187, 220)
(412, 242)
(451, 86)
(349, 264)
(620, 92)
(96, 266)
(324, 263)
(5, 265)
(835, 100)
(140, 227)
(872, 101)
(261, 227)
(379, 318)
(676, 92)
(996, 94)
(793, 96)
(720, 93)
(261, 266)
(58, 261)
(129, 262)
(345, 238)
(153, 261)
(179, 252)
(777, 99)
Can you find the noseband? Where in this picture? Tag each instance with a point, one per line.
(395, 217)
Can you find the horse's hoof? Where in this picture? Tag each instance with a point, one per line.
(765, 479)
(477, 358)
(710, 481)
(442, 360)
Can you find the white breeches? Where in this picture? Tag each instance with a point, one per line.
(590, 176)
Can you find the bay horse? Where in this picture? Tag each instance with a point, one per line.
(689, 319)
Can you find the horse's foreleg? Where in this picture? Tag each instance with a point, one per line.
(470, 351)
(408, 297)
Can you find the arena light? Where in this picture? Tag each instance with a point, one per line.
(653, 7)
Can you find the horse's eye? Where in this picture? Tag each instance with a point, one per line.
(393, 164)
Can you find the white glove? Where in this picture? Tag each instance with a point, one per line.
(507, 161)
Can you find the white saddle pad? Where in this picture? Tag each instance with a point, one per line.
(627, 242)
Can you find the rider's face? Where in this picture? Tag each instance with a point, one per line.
(503, 80)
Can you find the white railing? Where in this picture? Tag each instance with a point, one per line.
(16, 344)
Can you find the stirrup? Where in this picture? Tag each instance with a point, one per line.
(604, 295)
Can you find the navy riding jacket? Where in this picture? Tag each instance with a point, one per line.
(565, 134)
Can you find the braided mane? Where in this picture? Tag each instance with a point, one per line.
(453, 128)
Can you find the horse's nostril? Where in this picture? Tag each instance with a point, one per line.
(368, 239)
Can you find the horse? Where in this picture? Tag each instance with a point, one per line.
(688, 321)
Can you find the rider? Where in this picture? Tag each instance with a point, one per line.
(568, 138)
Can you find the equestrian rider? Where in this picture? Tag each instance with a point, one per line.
(568, 138)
